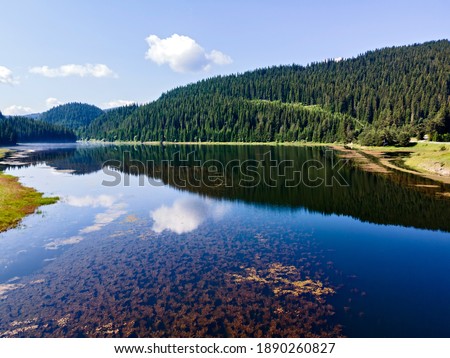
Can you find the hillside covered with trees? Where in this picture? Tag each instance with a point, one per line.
(26, 130)
(382, 96)
(75, 116)
(8, 135)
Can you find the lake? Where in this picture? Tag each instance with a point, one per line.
(223, 241)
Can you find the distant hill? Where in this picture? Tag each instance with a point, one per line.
(382, 96)
(32, 115)
(107, 122)
(71, 115)
(15, 130)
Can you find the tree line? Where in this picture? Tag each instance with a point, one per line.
(21, 129)
(74, 115)
(380, 97)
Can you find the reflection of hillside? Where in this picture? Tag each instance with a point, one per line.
(80, 160)
(370, 197)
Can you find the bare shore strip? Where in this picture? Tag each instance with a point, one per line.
(429, 160)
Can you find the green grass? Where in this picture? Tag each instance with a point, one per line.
(17, 201)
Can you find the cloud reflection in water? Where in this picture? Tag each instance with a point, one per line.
(186, 215)
(114, 211)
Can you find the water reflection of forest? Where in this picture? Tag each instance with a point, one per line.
(398, 199)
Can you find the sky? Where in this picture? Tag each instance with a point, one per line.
(114, 52)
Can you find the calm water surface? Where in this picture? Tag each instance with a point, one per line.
(187, 246)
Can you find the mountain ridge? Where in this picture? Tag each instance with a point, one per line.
(381, 96)
(73, 115)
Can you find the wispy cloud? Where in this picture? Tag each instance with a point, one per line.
(106, 218)
(104, 201)
(114, 211)
(52, 102)
(6, 76)
(16, 110)
(183, 54)
(117, 103)
(87, 70)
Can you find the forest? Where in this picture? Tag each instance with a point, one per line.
(26, 130)
(74, 115)
(383, 96)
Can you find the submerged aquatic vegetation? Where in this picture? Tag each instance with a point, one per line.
(284, 280)
(171, 285)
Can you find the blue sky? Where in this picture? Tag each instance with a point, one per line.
(116, 51)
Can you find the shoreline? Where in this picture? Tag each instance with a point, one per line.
(414, 160)
(156, 143)
(16, 200)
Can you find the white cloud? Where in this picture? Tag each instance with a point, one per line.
(15, 110)
(183, 54)
(87, 70)
(52, 102)
(338, 59)
(114, 211)
(6, 76)
(186, 215)
(117, 103)
(104, 201)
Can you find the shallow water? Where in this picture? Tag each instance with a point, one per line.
(187, 244)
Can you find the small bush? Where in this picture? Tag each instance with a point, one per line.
(403, 138)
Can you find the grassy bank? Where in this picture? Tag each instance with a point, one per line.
(17, 201)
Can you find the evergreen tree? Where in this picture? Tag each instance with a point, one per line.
(371, 98)
(75, 116)
(20, 129)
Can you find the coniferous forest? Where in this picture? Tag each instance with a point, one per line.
(71, 115)
(381, 97)
(20, 129)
